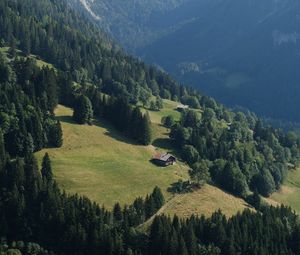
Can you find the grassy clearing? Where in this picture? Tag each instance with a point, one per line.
(169, 109)
(4, 50)
(98, 162)
(160, 134)
(204, 201)
(40, 63)
(290, 192)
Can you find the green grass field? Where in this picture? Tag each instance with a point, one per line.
(290, 192)
(204, 201)
(169, 109)
(100, 163)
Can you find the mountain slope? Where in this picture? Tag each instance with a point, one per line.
(130, 22)
(32, 206)
(242, 52)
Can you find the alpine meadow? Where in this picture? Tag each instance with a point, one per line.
(102, 153)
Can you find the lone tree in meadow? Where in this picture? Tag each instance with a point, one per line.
(83, 110)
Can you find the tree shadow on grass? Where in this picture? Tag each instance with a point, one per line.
(163, 143)
(66, 119)
(99, 122)
(182, 187)
(112, 132)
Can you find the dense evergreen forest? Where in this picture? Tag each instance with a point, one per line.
(33, 209)
(95, 78)
(240, 153)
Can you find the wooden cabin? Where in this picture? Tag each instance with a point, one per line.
(181, 107)
(164, 159)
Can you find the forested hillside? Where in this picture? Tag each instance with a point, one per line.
(87, 72)
(129, 22)
(243, 53)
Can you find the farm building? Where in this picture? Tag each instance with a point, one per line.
(181, 107)
(164, 159)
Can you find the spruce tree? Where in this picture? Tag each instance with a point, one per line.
(182, 250)
(158, 198)
(33, 178)
(46, 168)
(83, 110)
(59, 135)
(146, 136)
(55, 135)
(2, 151)
(117, 211)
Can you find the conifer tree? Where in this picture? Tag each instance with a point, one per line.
(55, 136)
(158, 198)
(2, 151)
(83, 111)
(182, 250)
(33, 178)
(117, 211)
(46, 168)
(146, 136)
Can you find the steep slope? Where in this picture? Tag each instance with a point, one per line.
(242, 52)
(130, 22)
(289, 192)
(102, 164)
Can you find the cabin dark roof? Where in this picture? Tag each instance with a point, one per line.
(164, 156)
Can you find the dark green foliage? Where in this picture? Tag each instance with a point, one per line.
(32, 208)
(2, 152)
(22, 248)
(190, 154)
(200, 173)
(254, 200)
(168, 121)
(156, 105)
(46, 168)
(145, 127)
(52, 31)
(126, 118)
(154, 202)
(240, 151)
(83, 110)
(36, 211)
(25, 108)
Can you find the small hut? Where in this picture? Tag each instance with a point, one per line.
(181, 107)
(164, 159)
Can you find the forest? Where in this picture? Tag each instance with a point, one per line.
(94, 77)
